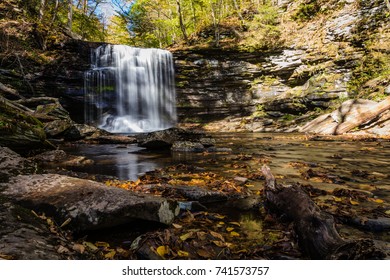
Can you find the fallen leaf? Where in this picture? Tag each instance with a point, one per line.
(102, 244)
(110, 255)
(234, 234)
(229, 229)
(219, 243)
(62, 250)
(186, 236)
(235, 223)
(337, 199)
(162, 250)
(182, 253)
(201, 235)
(203, 253)
(67, 221)
(6, 257)
(388, 212)
(217, 235)
(177, 226)
(353, 202)
(79, 248)
(219, 216)
(90, 246)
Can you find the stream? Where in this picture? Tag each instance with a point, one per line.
(362, 166)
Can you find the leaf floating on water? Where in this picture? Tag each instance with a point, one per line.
(186, 236)
(183, 253)
(234, 234)
(162, 250)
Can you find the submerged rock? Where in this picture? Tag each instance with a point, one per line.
(89, 205)
(164, 139)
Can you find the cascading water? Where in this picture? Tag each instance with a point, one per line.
(130, 89)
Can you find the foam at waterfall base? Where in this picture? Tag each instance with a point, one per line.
(127, 124)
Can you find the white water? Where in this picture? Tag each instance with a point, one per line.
(130, 89)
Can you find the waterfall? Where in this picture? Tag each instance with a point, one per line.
(130, 89)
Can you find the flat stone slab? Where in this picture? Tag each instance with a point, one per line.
(11, 164)
(89, 205)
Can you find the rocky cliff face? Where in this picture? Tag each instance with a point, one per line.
(337, 51)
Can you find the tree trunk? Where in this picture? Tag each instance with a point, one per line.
(315, 229)
(42, 9)
(70, 14)
(365, 117)
(181, 21)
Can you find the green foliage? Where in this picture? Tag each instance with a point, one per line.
(373, 66)
(307, 10)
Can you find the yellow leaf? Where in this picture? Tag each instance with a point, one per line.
(378, 200)
(229, 229)
(337, 199)
(221, 223)
(102, 244)
(234, 234)
(110, 255)
(218, 216)
(90, 246)
(176, 226)
(387, 212)
(235, 223)
(219, 243)
(353, 202)
(182, 253)
(162, 250)
(186, 236)
(67, 221)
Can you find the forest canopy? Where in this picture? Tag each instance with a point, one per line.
(152, 23)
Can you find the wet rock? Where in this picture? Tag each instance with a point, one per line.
(25, 237)
(12, 164)
(186, 146)
(80, 131)
(89, 205)
(111, 139)
(19, 130)
(60, 158)
(56, 128)
(164, 139)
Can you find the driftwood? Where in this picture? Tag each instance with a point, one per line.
(362, 118)
(315, 229)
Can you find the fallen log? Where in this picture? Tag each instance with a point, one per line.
(315, 229)
(361, 118)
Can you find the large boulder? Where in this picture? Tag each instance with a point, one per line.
(24, 236)
(12, 164)
(19, 129)
(165, 139)
(89, 205)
